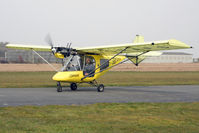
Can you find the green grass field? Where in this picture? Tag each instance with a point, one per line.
(44, 79)
(102, 118)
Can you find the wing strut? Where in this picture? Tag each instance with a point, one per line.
(105, 63)
(129, 58)
(45, 60)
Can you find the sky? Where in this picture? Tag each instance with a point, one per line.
(99, 22)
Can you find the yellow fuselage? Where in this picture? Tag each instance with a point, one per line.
(76, 76)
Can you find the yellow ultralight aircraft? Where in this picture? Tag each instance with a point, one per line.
(85, 65)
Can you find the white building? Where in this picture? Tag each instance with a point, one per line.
(171, 57)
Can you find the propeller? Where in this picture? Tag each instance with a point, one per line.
(48, 39)
(66, 51)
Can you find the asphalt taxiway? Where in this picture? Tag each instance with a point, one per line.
(49, 96)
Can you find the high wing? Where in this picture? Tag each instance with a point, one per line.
(29, 47)
(136, 47)
(131, 48)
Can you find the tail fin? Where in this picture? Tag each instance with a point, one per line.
(138, 39)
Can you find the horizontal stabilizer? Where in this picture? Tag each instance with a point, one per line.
(137, 58)
(150, 53)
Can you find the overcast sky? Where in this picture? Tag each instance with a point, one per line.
(99, 22)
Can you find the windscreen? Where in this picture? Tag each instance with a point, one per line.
(72, 63)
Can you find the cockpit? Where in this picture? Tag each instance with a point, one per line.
(79, 63)
(72, 63)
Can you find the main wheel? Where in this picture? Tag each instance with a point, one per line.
(73, 86)
(100, 88)
(59, 87)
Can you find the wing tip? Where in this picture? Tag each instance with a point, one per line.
(178, 43)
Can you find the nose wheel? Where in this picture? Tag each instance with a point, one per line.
(59, 87)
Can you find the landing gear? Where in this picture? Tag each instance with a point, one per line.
(59, 87)
(100, 88)
(73, 86)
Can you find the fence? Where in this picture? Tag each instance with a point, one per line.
(24, 56)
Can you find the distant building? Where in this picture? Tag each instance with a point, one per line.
(195, 60)
(171, 57)
(24, 56)
(3, 52)
(28, 56)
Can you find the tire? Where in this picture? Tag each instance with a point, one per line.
(100, 88)
(73, 86)
(59, 87)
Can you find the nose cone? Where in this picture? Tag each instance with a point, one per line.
(69, 76)
(60, 76)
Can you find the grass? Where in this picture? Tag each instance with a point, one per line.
(102, 118)
(44, 79)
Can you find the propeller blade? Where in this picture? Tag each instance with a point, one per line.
(48, 40)
(69, 45)
(62, 61)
